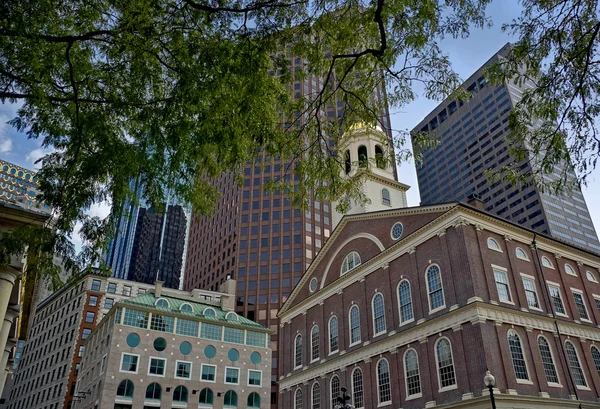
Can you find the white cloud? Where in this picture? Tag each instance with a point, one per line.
(6, 144)
(100, 210)
(36, 154)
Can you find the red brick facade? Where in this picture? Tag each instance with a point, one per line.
(484, 300)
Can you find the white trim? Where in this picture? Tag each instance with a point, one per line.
(441, 307)
(400, 305)
(350, 326)
(362, 381)
(568, 267)
(414, 395)
(392, 231)
(150, 358)
(551, 384)
(312, 394)
(298, 389)
(583, 388)
(137, 365)
(521, 381)
(162, 299)
(295, 351)
(202, 370)
(504, 271)
(535, 290)
(176, 367)
(578, 291)
(437, 366)
(379, 402)
(232, 314)
(551, 264)
(345, 261)
(215, 314)
(376, 334)
(527, 276)
(588, 273)
(526, 258)
(329, 335)
(225, 375)
(312, 346)
(557, 286)
(499, 249)
(261, 382)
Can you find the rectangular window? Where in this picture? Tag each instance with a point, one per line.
(256, 339)
(162, 323)
(556, 300)
(208, 373)
(96, 285)
(232, 375)
(135, 318)
(112, 288)
(90, 317)
(254, 378)
(183, 370)
(86, 333)
(187, 327)
(127, 290)
(109, 302)
(502, 285)
(580, 304)
(103, 365)
(234, 335)
(210, 331)
(129, 363)
(530, 292)
(93, 301)
(597, 301)
(157, 367)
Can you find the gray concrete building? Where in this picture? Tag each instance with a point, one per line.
(173, 349)
(471, 137)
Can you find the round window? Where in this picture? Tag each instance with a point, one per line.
(255, 358)
(313, 284)
(185, 348)
(210, 351)
(397, 230)
(233, 355)
(133, 340)
(160, 344)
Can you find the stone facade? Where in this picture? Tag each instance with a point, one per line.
(430, 306)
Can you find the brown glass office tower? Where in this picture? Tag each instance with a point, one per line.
(260, 239)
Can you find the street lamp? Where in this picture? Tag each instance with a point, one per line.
(489, 382)
(343, 401)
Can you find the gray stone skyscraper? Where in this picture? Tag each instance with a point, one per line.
(472, 139)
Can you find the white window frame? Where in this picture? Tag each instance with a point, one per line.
(437, 366)
(587, 311)
(150, 358)
(596, 297)
(345, 261)
(162, 299)
(209, 309)
(298, 390)
(588, 273)
(526, 258)
(527, 381)
(331, 396)
(329, 335)
(441, 307)
(137, 367)
(387, 402)
(184, 362)
(301, 351)
(202, 371)
(312, 394)
(568, 268)
(254, 386)
(414, 395)
(550, 384)
(225, 375)
(350, 325)
(504, 271)
(531, 278)
(376, 334)
(362, 384)
(411, 303)
(496, 246)
(582, 388)
(557, 286)
(547, 263)
(312, 344)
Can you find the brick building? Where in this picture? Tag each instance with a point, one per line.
(410, 307)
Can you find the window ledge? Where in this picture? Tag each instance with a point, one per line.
(156, 375)
(497, 250)
(535, 309)
(402, 323)
(448, 388)
(588, 321)
(415, 396)
(379, 334)
(381, 405)
(560, 314)
(354, 343)
(507, 302)
(437, 309)
(583, 388)
(554, 385)
(334, 352)
(524, 382)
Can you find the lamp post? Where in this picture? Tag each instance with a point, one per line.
(489, 382)
(343, 400)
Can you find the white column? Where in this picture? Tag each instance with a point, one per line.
(10, 344)
(7, 283)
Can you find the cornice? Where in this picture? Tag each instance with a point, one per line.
(471, 314)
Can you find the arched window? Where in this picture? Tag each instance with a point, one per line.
(379, 158)
(230, 399)
(253, 400)
(161, 302)
(232, 316)
(445, 363)
(125, 389)
(354, 318)
(348, 163)
(351, 261)
(358, 395)
(547, 361)
(210, 312)
(434, 288)
(385, 197)
(493, 244)
(378, 314)
(596, 358)
(316, 396)
(590, 276)
(518, 358)
(298, 399)
(520, 253)
(569, 270)
(411, 368)
(206, 396)
(298, 351)
(180, 394)
(574, 364)
(185, 307)
(384, 392)
(547, 263)
(363, 158)
(153, 391)
(314, 343)
(405, 302)
(334, 390)
(334, 344)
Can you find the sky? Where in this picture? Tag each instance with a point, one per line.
(466, 55)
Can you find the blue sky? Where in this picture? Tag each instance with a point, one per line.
(466, 55)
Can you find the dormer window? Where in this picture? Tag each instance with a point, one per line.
(232, 316)
(210, 312)
(186, 308)
(161, 302)
(351, 261)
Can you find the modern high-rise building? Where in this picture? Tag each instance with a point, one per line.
(259, 238)
(19, 186)
(472, 140)
(148, 246)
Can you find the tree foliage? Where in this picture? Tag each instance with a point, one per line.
(179, 91)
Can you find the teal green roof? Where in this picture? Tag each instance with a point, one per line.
(148, 301)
